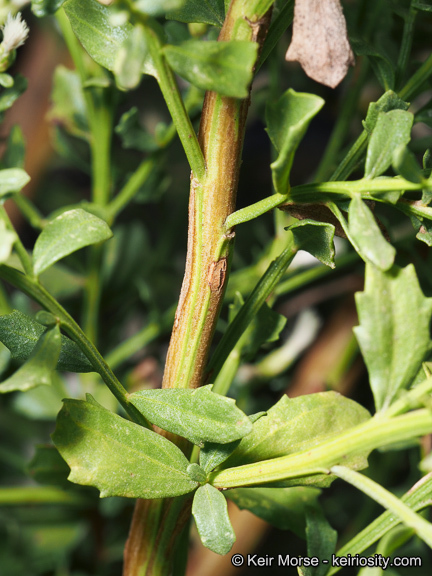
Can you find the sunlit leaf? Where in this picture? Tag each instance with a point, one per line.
(198, 415)
(204, 11)
(224, 67)
(210, 511)
(65, 234)
(12, 180)
(117, 456)
(394, 330)
(317, 238)
(69, 107)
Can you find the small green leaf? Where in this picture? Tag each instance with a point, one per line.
(204, 11)
(394, 330)
(37, 370)
(392, 129)
(371, 244)
(6, 80)
(12, 180)
(213, 454)
(388, 101)
(48, 467)
(321, 541)
(42, 8)
(92, 25)
(317, 238)
(65, 234)
(284, 508)
(287, 121)
(198, 415)
(10, 95)
(15, 149)
(210, 511)
(196, 473)
(405, 164)
(7, 240)
(224, 67)
(118, 457)
(133, 135)
(296, 424)
(20, 333)
(130, 58)
(157, 7)
(381, 63)
(69, 108)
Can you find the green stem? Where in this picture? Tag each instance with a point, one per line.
(92, 294)
(375, 433)
(25, 259)
(29, 211)
(175, 104)
(38, 293)
(254, 210)
(5, 307)
(39, 495)
(250, 308)
(375, 491)
(405, 49)
(417, 80)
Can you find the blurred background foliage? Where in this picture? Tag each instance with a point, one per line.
(71, 532)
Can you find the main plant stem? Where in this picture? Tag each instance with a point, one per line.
(212, 200)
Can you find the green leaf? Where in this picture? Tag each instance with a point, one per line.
(371, 244)
(388, 101)
(118, 457)
(10, 95)
(196, 473)
(317, 238)
(209, 508)
(37, 370)
(130, 58)
(20, 333)
(392, 129)
(65, 234)
(287, 121)
(213, 454)
(394, 330)
(296, 424)
(382, 65)
(12, 180)
(6, 80)
(42, 8)
(405, 164)
(157, 7)
(48, 467)
(284, 508)
(92, 25)
(198, 415)
(69, 108)
(15, 149)
(321, 541)
(204, 11)
(133, 135)
(224, 67)
(7, 240)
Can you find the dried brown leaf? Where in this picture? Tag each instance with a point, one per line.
(320, 41)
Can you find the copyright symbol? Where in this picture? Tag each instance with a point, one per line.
(237, 560)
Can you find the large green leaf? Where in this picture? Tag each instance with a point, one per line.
(118, 457)
(65, 234)
(12, 180)
(284, 508)
(392, 130)
(224, 67)
(317, 238)
(198, 415)
(296, 424)
(371, 244)
(92, 25)
(205, 11)
(394, 330)
(287, 121)
(38, 369)
(20, 333)
(210, 511)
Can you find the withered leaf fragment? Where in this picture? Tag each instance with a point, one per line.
(320, 41)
